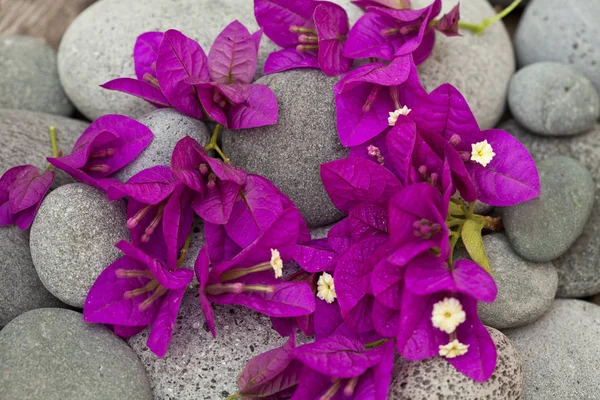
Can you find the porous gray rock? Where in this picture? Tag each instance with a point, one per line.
(550, 32)
(290, 152)
(29, 79)
(542, 229)
(72, 239)
(579, 268)
(480, 66)
(52, 354)
(553, 99)
(168, 126)
(98, 45)
(560, 352)
(435, 378)
(20, 287)
(26, 139)
(525, 289)
(198, 367)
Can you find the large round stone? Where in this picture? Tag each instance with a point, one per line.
(542, 229)
(168, 126)
(435, 378)
(198, 367)
(20, 287)
(553, 99)
(26, 139)
(29, 79)
(560, 352)
(525, 289)
(565, 32)
(290, 152)
(73, 238)
(98, 45)
(579, 268)
(480, 66)
(52, 354)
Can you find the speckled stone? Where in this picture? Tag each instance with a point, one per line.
(29, 79)
(525, 289)
(98, 45)
(73, 237)
(20, 287)
(553, 99)
(542, 229)
(561, 352)
(480, 66)
(198, 367)
(290, 152)
(52, 354)
(26, 139)
(435, 378)
(168, 126)
(579, 268)
(554, 30)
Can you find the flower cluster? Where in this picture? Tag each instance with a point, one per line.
(174, 71)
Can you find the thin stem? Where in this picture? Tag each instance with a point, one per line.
(213, 145)
(53, 141)
(375, 344)
(184, 250)
(479, 28)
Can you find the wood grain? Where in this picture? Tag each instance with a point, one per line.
(45, 19)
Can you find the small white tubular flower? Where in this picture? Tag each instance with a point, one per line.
(276, 263)
(326, 288)
(393, 118)
(453, 349)
(482, 153)
(447, 315)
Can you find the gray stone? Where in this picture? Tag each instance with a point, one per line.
(73, 237)
(551, 30)
(544, 228)
(560, 352)
(525, 290)
(168, 126)
(198, 367)
(52, 354)
(579, 268)
(435, 378)
(26, 139)
(290, 152)
(480, 66)
(29, 79)
(98, 45)
(20, 287)
(553, 99)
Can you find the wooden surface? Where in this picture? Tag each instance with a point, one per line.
(46, 19)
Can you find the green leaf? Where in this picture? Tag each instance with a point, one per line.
(455, 209)
(471, 238)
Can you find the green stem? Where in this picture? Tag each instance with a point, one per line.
(213, 145)
(184, 250)
(378, 343)
(53, 141)
(479, 28)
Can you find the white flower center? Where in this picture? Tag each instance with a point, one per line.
(453, 349)
(326, 288)
(276, 263)
(393, 118)
(447, 315)
(482, 153)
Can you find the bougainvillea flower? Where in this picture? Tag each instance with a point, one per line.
(387, 33)
(138, 290)
(216, 183)
(448, 24)
(159, 211)
(312, 34)
(430, 281)
(273, 373)
(445, 121)
(394, 4)
(366, 96)
(22, 190)
(252, 277)
(343, 368)
(107, 145)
